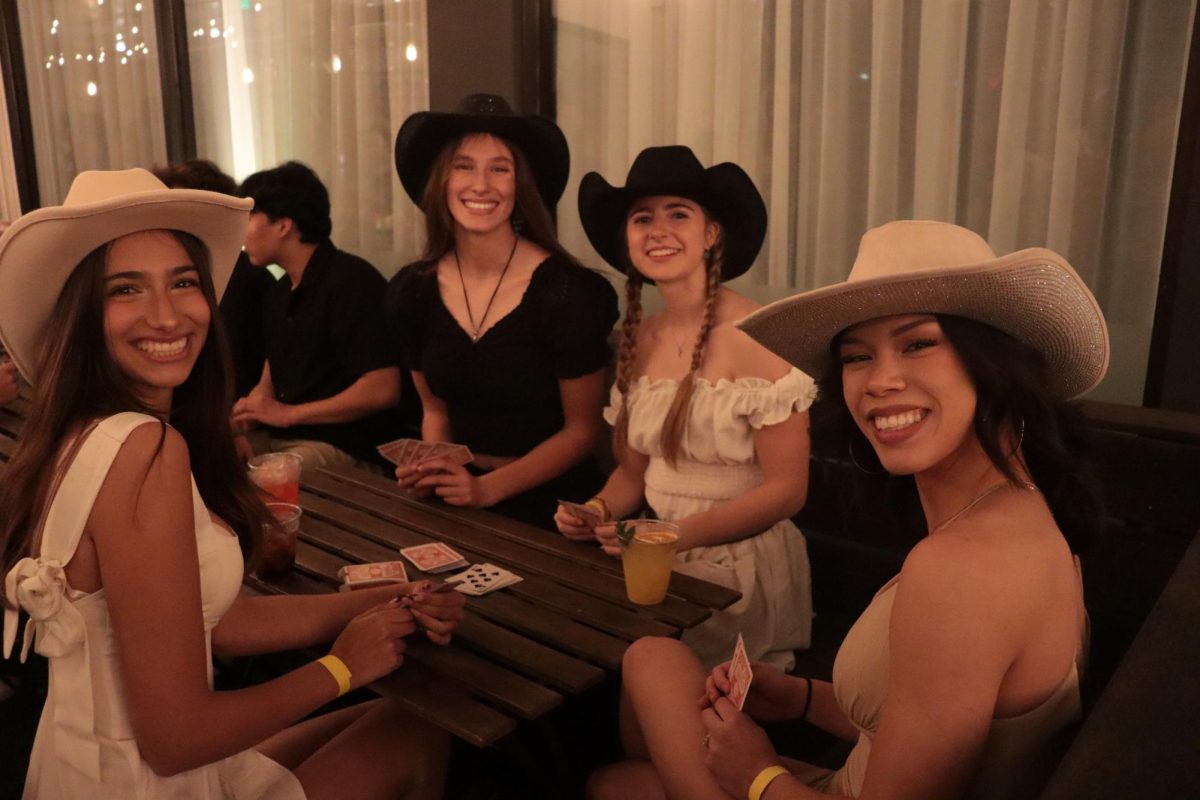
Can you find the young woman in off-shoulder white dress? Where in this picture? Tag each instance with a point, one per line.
(710, 429)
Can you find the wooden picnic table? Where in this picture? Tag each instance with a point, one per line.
(520, 651)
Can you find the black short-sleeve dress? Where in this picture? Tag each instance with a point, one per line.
(501, 392)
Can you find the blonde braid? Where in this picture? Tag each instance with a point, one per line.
(675, 423)
(626, 355)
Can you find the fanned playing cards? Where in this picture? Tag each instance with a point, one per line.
(433, 557)
(483, 578)
(403, 452)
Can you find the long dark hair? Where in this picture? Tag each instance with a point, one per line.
(529, 211)
(78, 382)
(1010, 381)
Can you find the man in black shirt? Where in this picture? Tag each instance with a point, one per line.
(329, 383)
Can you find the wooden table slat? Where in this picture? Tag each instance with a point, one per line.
(684, 586)
(514, 693)
(524, 655)
(444, 704)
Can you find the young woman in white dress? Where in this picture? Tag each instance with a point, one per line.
(126, 519)
(710, 428)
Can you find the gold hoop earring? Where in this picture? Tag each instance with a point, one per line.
(854, 461)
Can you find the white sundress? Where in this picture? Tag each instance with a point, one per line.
(717, 463)
(84, 746)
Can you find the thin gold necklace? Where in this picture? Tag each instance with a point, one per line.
(976, 500)
(476, 329)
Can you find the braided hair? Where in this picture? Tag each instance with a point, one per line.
(675, 423)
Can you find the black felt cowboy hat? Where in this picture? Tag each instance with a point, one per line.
(424, 134)
(725, 191)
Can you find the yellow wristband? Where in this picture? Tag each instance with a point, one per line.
(597, 502)
(338, 669)
(760, 783)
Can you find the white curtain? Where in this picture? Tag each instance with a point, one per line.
(94, 92)
(326, 82)
(10, 199)
(1033, 122)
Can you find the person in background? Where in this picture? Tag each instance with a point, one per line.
(126, 521)
(709, 427)
(242, 304)
(329, 386)
(950, 365)
(505, 333)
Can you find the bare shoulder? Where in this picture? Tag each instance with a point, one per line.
(735, 355)
(1000, 554)
(152, 458)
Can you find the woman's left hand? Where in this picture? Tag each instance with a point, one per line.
(737, 748)
(606, 535)
(438, 613)
(454, 484)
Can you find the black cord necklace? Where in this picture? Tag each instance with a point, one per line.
(475, 329)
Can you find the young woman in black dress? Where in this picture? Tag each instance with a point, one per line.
(504, 332)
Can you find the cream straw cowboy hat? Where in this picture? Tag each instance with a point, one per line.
(41, 249)
(916, 266)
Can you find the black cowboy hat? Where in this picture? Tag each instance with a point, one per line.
(725, 191)
(424, 134)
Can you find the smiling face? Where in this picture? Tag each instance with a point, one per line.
(156, 316)
(667, 237)
(909, 393)
(481, 188)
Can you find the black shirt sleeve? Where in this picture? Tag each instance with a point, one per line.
(579, 310)
(356, 326)
(405, 307)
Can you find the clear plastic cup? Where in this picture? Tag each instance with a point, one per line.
(279, 540)
(647, 560)
(277, 476)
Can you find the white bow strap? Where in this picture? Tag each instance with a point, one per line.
(56, 630)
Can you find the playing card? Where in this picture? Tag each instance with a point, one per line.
(356, 576)
(433, 557)
(740, 674)
(396, 451)
(454, 453)
(587, 514)
(483, 578)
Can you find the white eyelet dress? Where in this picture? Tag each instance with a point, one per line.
(717, 463)
(84, 746)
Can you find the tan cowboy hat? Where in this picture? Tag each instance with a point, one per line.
(919, 266)
(41, 249)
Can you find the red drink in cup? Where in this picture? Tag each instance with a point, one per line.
(277, 476)
(279, 540)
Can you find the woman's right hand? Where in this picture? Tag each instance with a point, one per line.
(407, 476)
(773, 696)
(572, 526)
(372, 644)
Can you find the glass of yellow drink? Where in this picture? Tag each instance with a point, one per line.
(647, 558)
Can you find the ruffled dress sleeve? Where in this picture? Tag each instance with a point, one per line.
(578, 311)
(766, 404)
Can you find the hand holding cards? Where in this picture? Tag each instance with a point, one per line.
(588, 515)
(740, 675)
(405, 452)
